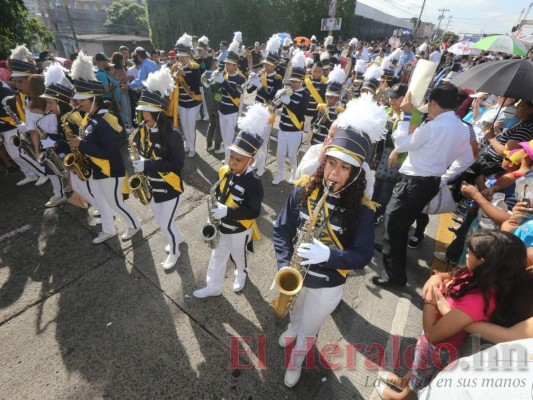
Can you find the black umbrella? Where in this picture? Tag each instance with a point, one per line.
(508, 78)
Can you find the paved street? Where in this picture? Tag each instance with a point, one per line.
(85, 321)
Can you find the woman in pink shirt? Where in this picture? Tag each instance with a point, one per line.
(495, 264)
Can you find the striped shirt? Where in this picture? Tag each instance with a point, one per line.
(521, 133)
(228, 90)
(298, 105)
(192, 78)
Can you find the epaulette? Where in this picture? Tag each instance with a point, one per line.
(321, 106)
(112, 121)
(302, 180)
(278, 76)
(339, 109)
(370, 204)
(323, 79)
(193, 65)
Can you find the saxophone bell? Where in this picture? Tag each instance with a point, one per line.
(210, 230)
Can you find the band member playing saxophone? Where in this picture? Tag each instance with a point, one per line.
(162, 157)
(239, 195)
(100, 143)
(344, 233)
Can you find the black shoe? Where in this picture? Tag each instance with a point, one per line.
(385, 283)
(415, 241)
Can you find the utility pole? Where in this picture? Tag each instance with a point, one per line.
(441, 17)
(419, 21)
(71, 25)
(447, 25)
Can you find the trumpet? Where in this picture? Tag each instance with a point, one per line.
(207, 82)
(317, 125)
(176, 69)
(276, 101)
(248, 83)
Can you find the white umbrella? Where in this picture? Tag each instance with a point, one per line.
(463, 48)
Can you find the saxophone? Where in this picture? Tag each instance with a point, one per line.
(138, 183)
(75, 161)
(289, 281)
(49, 157)
(21, 140)
(210, 231)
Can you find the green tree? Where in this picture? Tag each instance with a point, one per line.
(126, 16)
(256, 19)
(17, 28)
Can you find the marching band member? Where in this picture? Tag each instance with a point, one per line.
(203, 59)
(162, 157)
(329, 111)
(326, 64)
(58, 92)
(229, 105)
(358, 78)
(101, 144)
(239, 195)
(343, 235)
(315, 84)
(22, 66)
(42, 121)
(371, 82)
(267, 84)
(292, 120)
(186, 97)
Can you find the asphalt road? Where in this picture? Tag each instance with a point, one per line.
(86, 321)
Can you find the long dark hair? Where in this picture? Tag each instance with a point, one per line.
(350, 198)
(503, 268)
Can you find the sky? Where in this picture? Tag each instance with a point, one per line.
(468, 16)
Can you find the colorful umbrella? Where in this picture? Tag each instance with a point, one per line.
(501, 44)
(302, 40)
(463, 48)
(508, 78)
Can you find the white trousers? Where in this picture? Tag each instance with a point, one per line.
(310, 311)
(234, 245)
(58, 186)
(187, 118)
(83, 188)
(164, 215)
(262, 154)
(228, 122)
(29, 167)
(108, 197)
(288, 145)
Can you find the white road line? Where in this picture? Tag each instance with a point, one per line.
(396, 330)
(15, 232)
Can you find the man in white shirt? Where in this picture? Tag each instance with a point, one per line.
(435, 56)
(432, 147)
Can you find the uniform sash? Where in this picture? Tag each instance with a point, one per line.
(309, 85)
(247, 223)
(171, 178)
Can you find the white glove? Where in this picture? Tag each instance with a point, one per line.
(138, 165)
(273, 286)
(285, 99)
(315, 253)
(22, 127)
(257, 82)
(220, 212)
(47, 143)
(219, 78)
